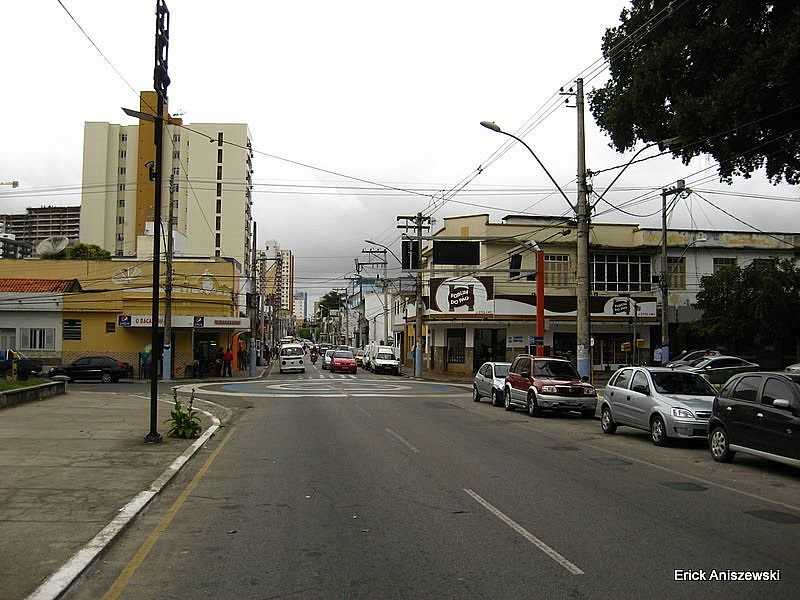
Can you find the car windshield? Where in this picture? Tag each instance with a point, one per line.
(554, 369)
(385, 356)
(677, 382)
(291, 351)
(500, 370)
(329, 353)
(343, 354)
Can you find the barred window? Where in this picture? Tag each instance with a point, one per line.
(677, 272)
(557, 269)
(621, 273)
(72, 329)
(721, 263)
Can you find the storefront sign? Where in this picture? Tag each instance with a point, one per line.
(622, 306)
(198, 322)
(461, 295)
(224, 322)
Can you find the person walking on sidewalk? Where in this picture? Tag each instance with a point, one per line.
(227, 359)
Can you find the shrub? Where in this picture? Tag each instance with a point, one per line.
(183, 420)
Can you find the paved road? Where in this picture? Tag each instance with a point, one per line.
(329, 486)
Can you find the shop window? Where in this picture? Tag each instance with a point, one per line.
(72, 329)
(111, 327)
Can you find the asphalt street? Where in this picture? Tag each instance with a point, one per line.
(341, 486)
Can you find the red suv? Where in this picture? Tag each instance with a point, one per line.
(538, 384)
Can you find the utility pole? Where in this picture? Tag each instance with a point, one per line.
(679, 188)
(417, 222)
(160, 83)
(253, 306)
(385, 263)
(582, 268)
(167, 375)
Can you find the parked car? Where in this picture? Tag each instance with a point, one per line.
(538, 384)
(693, 357)
(489, 382)
(718, 369)
(757, 413)
(326, 358)
(291, 357)
(666, 402)
(795, 368)
(384, 361)
(359, 358)
(25, 366)
(343, 361)
(102, 368)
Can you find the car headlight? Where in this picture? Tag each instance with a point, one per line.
(589, 391)
(682, 413)
(548, 389)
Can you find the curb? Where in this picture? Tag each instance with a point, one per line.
(58, 582)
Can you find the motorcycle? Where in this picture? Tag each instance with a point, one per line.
(313, 359)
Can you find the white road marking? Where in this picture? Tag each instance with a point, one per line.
(363, 410)
(571, 567)
(402, 440)
(696, 478)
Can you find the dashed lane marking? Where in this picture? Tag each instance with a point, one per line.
(402, 440)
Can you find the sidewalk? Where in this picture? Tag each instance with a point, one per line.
(260, 372)
(67, 466)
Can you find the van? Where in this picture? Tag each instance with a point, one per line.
(291, 358)
(383, 360)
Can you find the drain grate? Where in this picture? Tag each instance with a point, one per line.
(684, 486)
(775, 516)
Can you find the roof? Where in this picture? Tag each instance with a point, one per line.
(58, 286)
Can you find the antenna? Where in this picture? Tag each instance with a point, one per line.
(52, 245)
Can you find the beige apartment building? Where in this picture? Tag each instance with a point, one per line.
(276, 283)
(210, 169)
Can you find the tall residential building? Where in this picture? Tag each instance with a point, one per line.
(300, 300)
(276, 278)
(36, 224)
(212, 185)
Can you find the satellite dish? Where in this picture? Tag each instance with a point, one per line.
(52, 245)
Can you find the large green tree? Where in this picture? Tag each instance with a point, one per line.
(752, 307)
(721, 75)
(330, 301)
(83, 252)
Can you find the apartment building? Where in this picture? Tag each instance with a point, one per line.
(276, 281)
(480, 299)
(39, 223)
(300, 302)
(207, 173)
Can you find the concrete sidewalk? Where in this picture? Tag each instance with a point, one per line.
(67, 466)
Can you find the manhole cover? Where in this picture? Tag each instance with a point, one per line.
(564, 448)
(775, 516)
(684, 486)
(611, 461)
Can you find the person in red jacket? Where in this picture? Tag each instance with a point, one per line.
(227, 359)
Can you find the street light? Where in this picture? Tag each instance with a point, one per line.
(385, 248)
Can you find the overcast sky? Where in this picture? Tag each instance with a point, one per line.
(390, 92)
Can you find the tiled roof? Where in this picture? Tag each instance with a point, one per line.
(57, 286)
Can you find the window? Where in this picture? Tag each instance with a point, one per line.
(120, 237)
(177, 187)
(123, 153)
(219, 205)
(176, 171)
(775, 389)
(722, 263)
(123, 137)
(747, 389)
(217, 240)
(219, 189)
(219, 223)
(176, 137)
(72, 329)
(554, 369)
(219, 139)
(121, 203)
(620, 273)
(121, 187)
(219, 155)
(623, 379)
(524, 369)
(219, 171)
(120, 220)
(111, 327)
(681, 382)
(514, 266)
(176, 154)
(556, 269)
(216, 253)
(40, 338)
(456, 345)
(677, 272)
(122, 170)
(640, 379)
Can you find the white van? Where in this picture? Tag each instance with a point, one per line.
(383, 360)
(291, 358)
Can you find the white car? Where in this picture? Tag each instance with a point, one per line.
(384, 361)
(489, 382)
(291, 358)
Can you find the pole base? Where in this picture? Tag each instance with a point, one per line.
(153, 438)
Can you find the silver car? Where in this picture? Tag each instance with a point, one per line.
(326, 359)
(668, 403)
(489, 382)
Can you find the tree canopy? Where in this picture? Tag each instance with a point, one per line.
(83, 252)
(721, 75)
(330, 301)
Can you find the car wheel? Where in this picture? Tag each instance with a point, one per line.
(476, 397)
(533, 406)
(718, 444)
(507, 400)
(606, 421)
(497, 397)
(105, 378)
(658, 431)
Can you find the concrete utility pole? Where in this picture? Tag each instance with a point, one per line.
(253, 307)
(385, 263)
(167, 375)
(160, 83)
(420, 222)
(582, 268)
(679, 188)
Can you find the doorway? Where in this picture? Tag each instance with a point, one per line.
(490, 346)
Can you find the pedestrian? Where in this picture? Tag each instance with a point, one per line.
(227, 359)
(268, 355)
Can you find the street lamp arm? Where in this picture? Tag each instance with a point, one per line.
(385, 248)
(555, 183)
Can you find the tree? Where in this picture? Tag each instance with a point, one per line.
(83, 252)
(721, 75)
(330, 301)
(753, 307)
